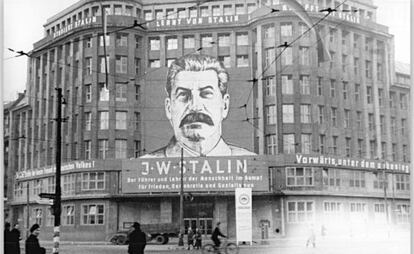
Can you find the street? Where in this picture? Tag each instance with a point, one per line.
(282, 246)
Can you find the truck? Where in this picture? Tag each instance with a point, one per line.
(158, 233)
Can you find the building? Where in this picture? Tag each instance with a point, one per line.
(330, 144)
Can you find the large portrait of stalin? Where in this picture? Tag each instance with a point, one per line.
(197, 102)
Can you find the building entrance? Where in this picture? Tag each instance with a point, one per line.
(204, 224)
(199, 215)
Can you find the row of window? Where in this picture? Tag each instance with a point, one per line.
(304, 176)
(305, 145)
(91, 214)
(121, 120)
(333, 211)
(88, 181)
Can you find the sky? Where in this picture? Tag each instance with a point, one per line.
(24, 20)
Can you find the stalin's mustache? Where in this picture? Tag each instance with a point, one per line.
(196, 117)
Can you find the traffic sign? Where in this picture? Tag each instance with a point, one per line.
(47, 195)
(43, 201)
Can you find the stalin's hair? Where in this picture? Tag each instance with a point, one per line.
(197, 62)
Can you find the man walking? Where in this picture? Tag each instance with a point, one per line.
(15, 239)
(32, 242)
(137, 240)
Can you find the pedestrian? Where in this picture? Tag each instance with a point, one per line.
(32, 242)
(137, 240)
(197, 238)
(15, 239)
(190, 238)
(7, 238)
(311, 237)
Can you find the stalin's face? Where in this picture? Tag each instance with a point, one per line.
(196, 107)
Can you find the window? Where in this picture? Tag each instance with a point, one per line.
(118, 9)
(357, 92)
(286, 56)
(300, 211)
(154, 63)
(154, 43)
(402, 182)
(320, 86)
(382, 124)
(121, 120)
(228, 10)
(240, 9)
(170, 61)
(93, 214)
(121, 63)
(304, 30)
(289, 143)
(170, 14)
(242, 60)
(344, 63)
(216, 10)
(334, 116)
(137, 148)
(368, 69)
(286, 29)
(345, 90)
(269, 56)
(304, 84)
(371, 122)
(50, 219)
(394, 152)
(68, 214)
(172, 43)
(38, 215)
(18, 190)
(88, 147)
(405, 153)
(68, 184)
(357, 179)
(107, 40)
(93, 181)
(403, 101)
(270, 86)
(403, 213)
(225, 60)
(103, 120)
(204, 12)
(322, 141)
(299, 176)
(102, 65)
(359, 119)
(147, 15)
(380, 181)
(348, 147)
(287, 84)
(206, 41)
(121, 92)
(306, 143)
(251, 7)
(137, 62)
(287, 113)
(305, 114)
(332, 177)
(224, 40)
(95, 12)
(360, 147)
(358, 209)
(120, 149)
(189, 42)
(321, 114)
(393, 125)
(128, 10)
(332, 35)
(51, 184)
(332, 212)
(347, 118)
(356, 66)
(269, 31)
(333, 59)
(103, 148)
(271, 144)
(381, 97)
(193, 12)
(182, 13)
(137, 118)
(383, 149)
(88, 63)
(304, 55)
(335, 145)
(88, 121)
(332, 88)
(271, 114)
(242, 39)
(37, 186)
(122, 40)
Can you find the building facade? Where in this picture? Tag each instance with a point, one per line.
(331, 136)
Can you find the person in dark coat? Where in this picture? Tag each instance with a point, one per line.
(215, 236)
(7, 238)
(32, 242)
(137, 240)
(190, 238)
(15, 239)
(197, 238)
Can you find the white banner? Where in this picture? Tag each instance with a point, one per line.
(244, 215)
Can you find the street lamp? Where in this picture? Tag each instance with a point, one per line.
(181, 222)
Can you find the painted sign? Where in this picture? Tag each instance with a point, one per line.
(243, 201)
(199, 174)
(52, 169)
(350, 162)
(75, 24)
(197, 21)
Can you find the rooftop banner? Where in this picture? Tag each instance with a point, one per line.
(200, 174)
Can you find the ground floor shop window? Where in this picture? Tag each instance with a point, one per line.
(93, 214)
(300, 211)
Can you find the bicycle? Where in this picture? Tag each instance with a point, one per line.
(228, 248)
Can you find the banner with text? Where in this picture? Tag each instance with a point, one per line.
(199, 174)
(243, 215)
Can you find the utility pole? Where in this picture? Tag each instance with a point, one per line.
(58, 193)
(181, 234)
